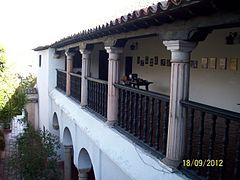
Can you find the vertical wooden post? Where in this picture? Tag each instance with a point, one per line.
(179, 90)
(113, 77)
(85, 63)
(69, 70)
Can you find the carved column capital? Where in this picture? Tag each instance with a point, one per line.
(69, 54)
(180, 50)
(114, 53)
(84, 51)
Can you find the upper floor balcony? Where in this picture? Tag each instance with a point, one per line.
(179, 113)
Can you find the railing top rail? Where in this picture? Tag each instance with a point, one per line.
(60, 70)
(76, 75)
(213, 110)
(96, 80)
(143, 92)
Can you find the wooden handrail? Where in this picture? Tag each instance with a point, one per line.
(96, 80)
(143, 92)
(60, 70)
(76, 75)
(212, 110)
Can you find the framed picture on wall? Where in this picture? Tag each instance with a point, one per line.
(151, 61)
(163, 62)
(194, 64)
(146, 59)
(204, 63)
(138, 60)
(233, 64)
(223, 63)
(212, 63)
(156, 60)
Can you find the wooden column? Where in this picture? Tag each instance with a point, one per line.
(179, 90)
(113, 77)
(69, 70)
(85, 62)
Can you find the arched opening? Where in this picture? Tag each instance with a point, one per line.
(70, 171)
(55, 123)
(85, 167)
(67, 138)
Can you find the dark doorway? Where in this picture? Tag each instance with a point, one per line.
(103, 65)
(128, 65)
(77, 60)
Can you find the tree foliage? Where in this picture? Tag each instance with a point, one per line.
(8, 80)
(12, 95)
(36, 156)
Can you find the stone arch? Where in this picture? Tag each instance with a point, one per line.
(85, 166)
(70, 171)
(67, 137)
(55, 122)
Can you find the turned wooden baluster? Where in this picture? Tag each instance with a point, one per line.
(145, 119)
(237, 159)
(211, 144)
(225, 147)
(158, 125)
(126, 112)
(135, 114)
(165, 126)
(190, 139)
(140, 107)
(89, 93)
(130, 122)
(150, 135)
(122, 108)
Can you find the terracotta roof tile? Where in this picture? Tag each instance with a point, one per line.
(164, 10)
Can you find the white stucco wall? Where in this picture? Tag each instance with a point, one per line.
(159, 75)
(46, 81)
(214, 87)
(42, 85)
(113, 156)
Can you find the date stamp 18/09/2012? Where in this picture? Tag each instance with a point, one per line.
(203, 162)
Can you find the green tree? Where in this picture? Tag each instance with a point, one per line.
(35, 156)
(8, 80)
(12, 95)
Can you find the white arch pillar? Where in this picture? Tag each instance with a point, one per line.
(179, 90)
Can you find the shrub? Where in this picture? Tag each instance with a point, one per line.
(36, 156)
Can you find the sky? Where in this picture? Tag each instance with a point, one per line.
(26, 24)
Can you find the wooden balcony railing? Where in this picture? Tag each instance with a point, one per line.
(61, 80)
(97, 96)
(144, 115)
(75, 86)
(212, 142)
